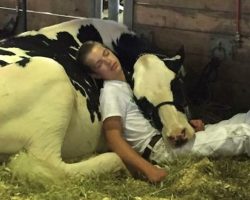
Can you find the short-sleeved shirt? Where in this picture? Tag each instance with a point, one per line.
(116, 99)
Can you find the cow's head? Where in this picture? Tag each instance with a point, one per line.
(155, 82)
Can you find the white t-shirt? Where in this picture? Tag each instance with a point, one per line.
(116, 99)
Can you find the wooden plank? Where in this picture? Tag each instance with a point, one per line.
(35, 21)
(38, 20)
(5, 16)
(67, 7)
(8, 3)
(81, 8)
(202, 21)
(212, 5)
(196, 43)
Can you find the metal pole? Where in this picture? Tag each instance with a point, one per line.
(113, 9)
(98, 8)
(95, 8)
(128, 13)
(22, 16)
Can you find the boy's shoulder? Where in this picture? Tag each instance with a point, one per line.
(115, 84)
(116, 88)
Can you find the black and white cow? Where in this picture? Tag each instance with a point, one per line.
(49, 106)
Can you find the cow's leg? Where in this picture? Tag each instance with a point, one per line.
(99, 164)
(53, 169)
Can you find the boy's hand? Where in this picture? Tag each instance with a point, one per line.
(156, 174)
(197, 124)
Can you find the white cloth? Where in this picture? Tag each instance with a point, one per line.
(116, 99)
(226, 138)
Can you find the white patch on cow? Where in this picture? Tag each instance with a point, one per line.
(14, 58)
(152, 79)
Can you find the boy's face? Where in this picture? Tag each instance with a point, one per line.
(104, 63)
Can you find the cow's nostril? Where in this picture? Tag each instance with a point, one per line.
(171, 138)
(183, 133)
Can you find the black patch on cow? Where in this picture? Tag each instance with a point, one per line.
(149, 112)
(6, 53)
(3, 63)
(89, 32)
(178, 94)
(63, 49)
(23, 62)
(128, 48)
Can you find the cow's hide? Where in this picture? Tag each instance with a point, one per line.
(49, 107)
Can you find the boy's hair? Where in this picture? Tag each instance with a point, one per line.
(83, 52)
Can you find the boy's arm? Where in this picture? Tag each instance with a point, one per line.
(113, 129)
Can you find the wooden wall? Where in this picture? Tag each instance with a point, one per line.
(199, 25)
(78, 8)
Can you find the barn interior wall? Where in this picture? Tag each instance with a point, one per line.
(200, 25)
(38, 11)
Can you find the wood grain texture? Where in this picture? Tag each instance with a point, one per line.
(66, 7)
(192, 20)
(209, 5)
(78, 8)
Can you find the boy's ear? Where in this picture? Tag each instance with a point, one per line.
(96, 76)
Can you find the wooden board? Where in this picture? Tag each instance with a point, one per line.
(190, 19)
(39, 16)
(35, 20)
(66, 7)
(211, 5)
(8, 3)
